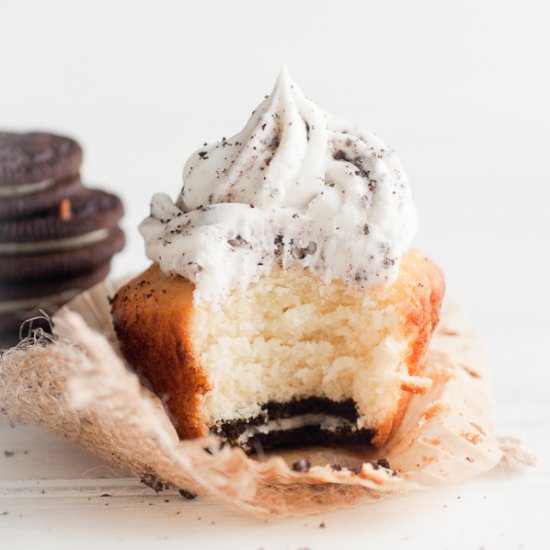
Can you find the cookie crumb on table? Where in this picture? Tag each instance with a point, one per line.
(187, 494)
(302, 465)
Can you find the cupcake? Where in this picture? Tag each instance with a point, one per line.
(284, 306)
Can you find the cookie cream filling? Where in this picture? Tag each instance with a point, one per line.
(296, 187)
(55, 245)
(8, 191)
(325, 422)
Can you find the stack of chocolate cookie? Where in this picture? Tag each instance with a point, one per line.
(57, 237)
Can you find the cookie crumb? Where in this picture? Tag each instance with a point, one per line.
(154, 482)
(188, 495)
(302, 465)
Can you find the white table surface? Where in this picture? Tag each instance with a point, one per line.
(460, 89)
(51, 495)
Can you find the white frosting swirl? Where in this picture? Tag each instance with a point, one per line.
(295, 187)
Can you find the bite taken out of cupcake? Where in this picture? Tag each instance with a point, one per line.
(284, 306)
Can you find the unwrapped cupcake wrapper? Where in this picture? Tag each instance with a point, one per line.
(78, 385)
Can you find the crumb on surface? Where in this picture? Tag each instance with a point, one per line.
(302, 465)
(188, 495)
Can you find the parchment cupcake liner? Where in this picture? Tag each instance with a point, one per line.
(77, 385)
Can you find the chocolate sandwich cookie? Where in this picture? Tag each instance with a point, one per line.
(37, 170)
(22, 304)
(78, 235)
(56, 236)
(298, 422)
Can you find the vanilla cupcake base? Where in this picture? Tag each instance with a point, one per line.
(287, 361)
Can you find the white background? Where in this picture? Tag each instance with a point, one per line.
(460, 89)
